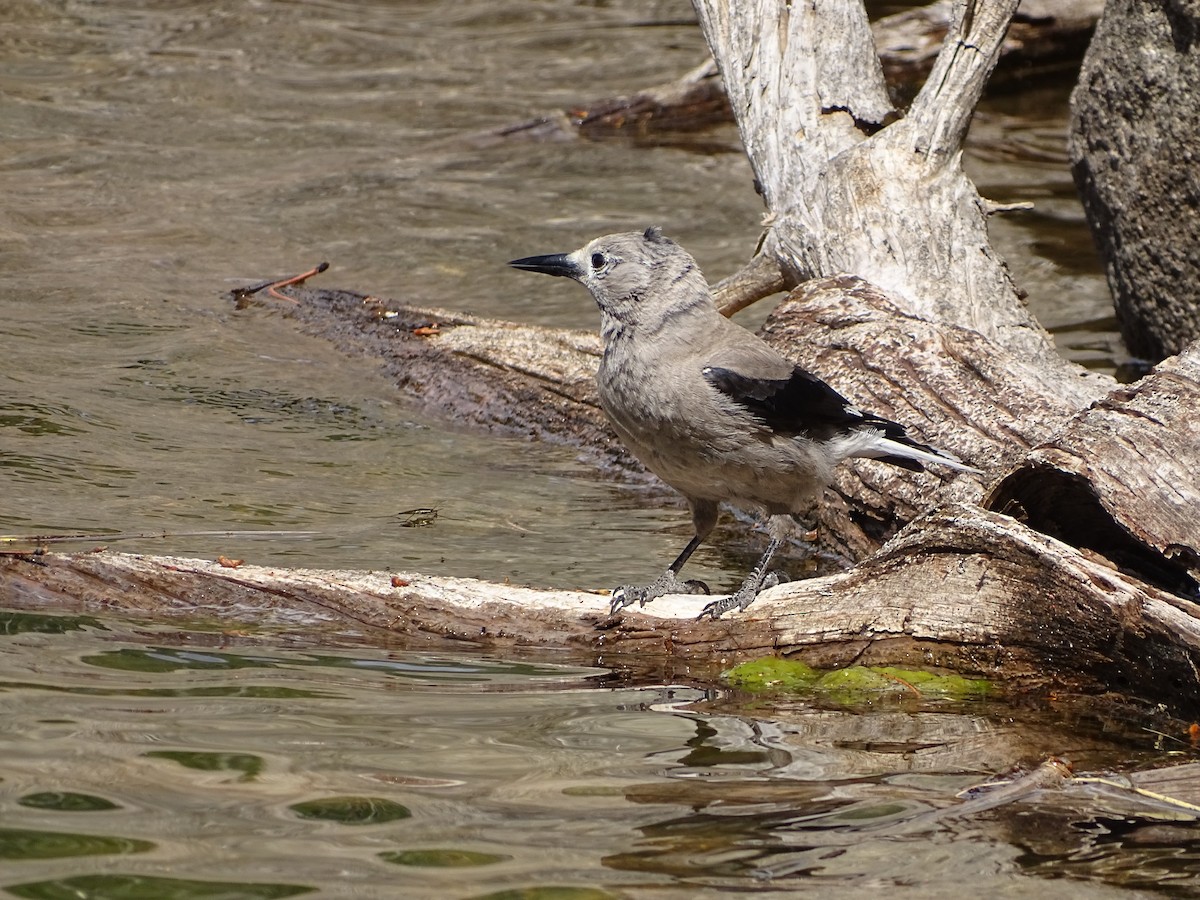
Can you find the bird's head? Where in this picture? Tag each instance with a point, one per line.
(634, 276)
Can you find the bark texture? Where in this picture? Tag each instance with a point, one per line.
(1122, 481)
(853, 187)
(949, 385)
(1135, 114)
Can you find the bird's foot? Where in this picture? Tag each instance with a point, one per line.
(641, 594)
(743, 596)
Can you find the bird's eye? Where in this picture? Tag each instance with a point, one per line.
(598, 260)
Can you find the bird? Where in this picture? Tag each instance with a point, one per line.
(711, 408)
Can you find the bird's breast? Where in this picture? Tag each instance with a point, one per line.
(650, 402)
(696, 439)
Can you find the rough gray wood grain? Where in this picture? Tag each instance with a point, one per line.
(1122, 479)
(850, 185)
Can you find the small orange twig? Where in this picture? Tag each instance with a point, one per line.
(272, 287)
(904, 681)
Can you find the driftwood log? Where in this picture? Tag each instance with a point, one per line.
(1068, 574)
(1073, 564)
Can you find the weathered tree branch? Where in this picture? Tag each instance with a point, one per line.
(761, 277)
(851, 193)
(943, 109)
(798, 95)
(963, 589)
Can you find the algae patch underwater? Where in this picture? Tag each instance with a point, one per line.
(852, 684)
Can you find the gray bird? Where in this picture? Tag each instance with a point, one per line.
(711, 408)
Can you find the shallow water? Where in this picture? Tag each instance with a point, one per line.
(156, 156)
(136, 752)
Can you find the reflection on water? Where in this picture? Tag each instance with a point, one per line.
(141, 762)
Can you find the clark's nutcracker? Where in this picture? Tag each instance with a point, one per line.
(712, 409)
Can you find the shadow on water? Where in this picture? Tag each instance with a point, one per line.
(144, 762)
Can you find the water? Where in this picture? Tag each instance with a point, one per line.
(256, 767)
(156, 156)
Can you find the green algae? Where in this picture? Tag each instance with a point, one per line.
(853, 684)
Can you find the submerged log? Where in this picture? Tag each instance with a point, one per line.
(491, 375)
(694, 102)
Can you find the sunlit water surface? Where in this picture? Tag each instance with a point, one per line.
(145, 762)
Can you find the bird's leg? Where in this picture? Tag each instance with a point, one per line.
(756, 581)
(759, 579)
(704, 517)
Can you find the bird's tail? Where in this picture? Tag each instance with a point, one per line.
(906, 452)
(887, 442)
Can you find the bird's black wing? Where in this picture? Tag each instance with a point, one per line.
(803, 405)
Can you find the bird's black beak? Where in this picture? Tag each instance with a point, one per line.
(554, 264)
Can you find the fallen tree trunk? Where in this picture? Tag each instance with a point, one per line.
(962, 589)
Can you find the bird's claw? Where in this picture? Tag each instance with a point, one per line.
(718, 608)
(743, 596)
(641, 594)
(625, 595)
